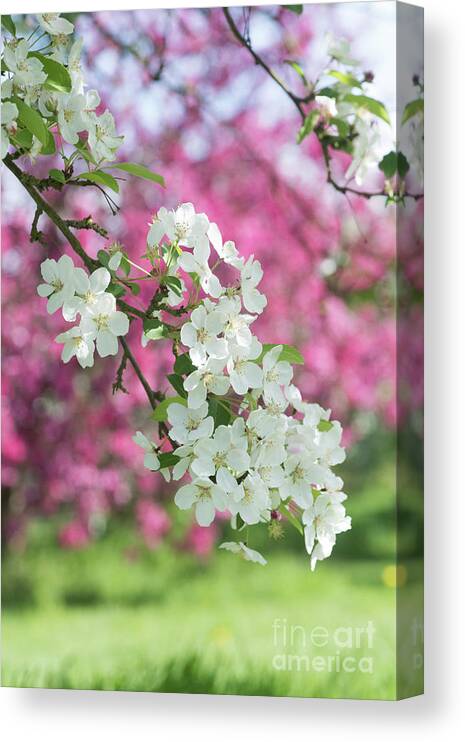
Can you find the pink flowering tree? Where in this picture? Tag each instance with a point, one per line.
(183, 312)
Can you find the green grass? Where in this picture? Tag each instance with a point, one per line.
(111, 617)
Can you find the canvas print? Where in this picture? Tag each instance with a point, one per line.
(212, 350)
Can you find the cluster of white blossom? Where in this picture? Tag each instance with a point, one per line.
(73, 111)
(77, 293)
(274, 456)
(367, 140)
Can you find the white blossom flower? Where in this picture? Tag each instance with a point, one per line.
(106, 324)
(300, 474)
(244, 374)
(151, 460)
(185, 454)
(276, 373)
(157, 228)
(226, 449)
(79, 344)
(271, 475)
(226, 251)
(313, 413)
(251, 275)
(250, 498)
(261, 424)
(197, 262)
(6, 89)
(271, 450)
(323, 520)
(182, 227)
(75, 67)
(367, 147)
(200, 336)
(54, 24)
(70, 118)
(326, 106)
(238, 547)
(60, 282)
(234, 325)
(208, 378)
(9, 126)
(26, 70)
(115, 251)
(270, 419)
(207, 497)
(328, 448)
(89, 289)
(103, 140)
(60, 44)
(339, 49)
(189, 425)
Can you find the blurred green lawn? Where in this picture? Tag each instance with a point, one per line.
(117, 616)
(105, 618)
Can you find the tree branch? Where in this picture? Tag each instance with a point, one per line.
(51, 213)
(297, 100)
(90, 263)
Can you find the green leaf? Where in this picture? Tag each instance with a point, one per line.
(22, 139)
(370, 104)
(7, 22)
(139, 171)
(328, 92)
(116, 290)
(160, 412)
(98, 176)
(402, 165)
(412, 108)
(297, 68)
(308, 126)
(291, 518)
(49, 148)
(83, 150)
(32, 121)
(394, 162)
(342, 127)
(103, 258)
(388, 164)
(176, 382)
(125, 265)
(346, 78)
(220, 411)
(157, 333)
(151, 323)
(173, 283)
(297, 9)
(135, 288)
(58, 77)
(167, 459)
(56, 175)
(183, 364)
(154, 329)
(324, 425)
(288, 353)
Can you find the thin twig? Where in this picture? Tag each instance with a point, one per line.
(151, 395)
(87, 223)
(118, 383)
(297, 100)
(36, 235)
